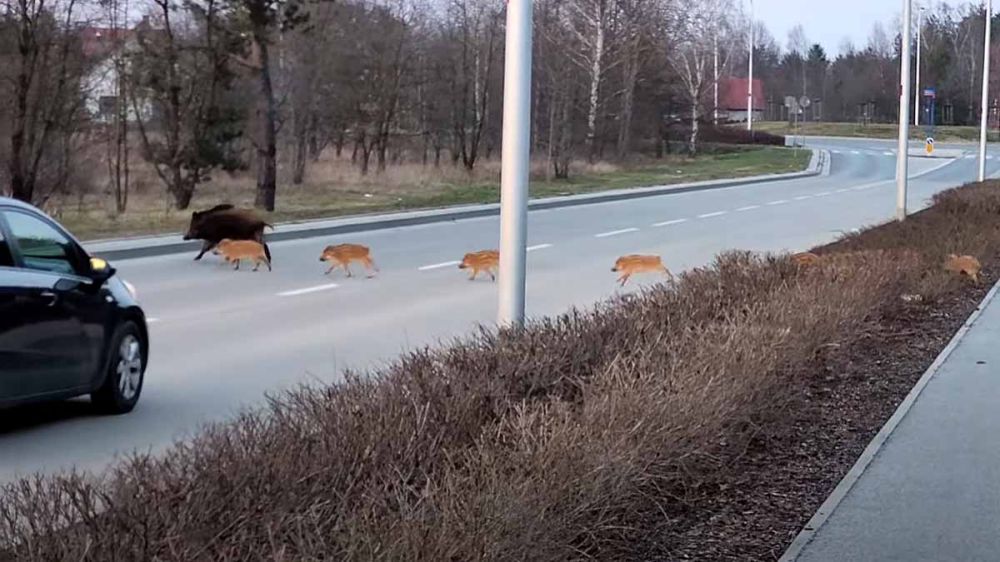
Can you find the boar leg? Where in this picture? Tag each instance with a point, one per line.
(205, 247)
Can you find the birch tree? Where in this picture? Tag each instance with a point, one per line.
(693, 56)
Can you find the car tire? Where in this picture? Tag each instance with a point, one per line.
(125, 372)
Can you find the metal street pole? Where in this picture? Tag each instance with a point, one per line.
(986, 92)
(903, 154)
(750, 80)
(917, 96)
(514, 168)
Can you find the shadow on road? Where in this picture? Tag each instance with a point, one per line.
(34, 416)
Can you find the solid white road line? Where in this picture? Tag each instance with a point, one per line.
(539, 247)
(308, 290)
(668, 223)
(615, 232)
(710, 215)
(439, 265)
(747, 208)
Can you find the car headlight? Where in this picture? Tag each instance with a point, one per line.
(131, 290)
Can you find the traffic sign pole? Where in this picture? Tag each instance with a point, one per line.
(986, 92)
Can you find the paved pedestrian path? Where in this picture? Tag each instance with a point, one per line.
(931, 492)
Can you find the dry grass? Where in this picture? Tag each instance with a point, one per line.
(568, 440)
(942, 133)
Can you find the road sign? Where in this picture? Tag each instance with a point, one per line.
(930, 145)
(804, 102)
(930, 92)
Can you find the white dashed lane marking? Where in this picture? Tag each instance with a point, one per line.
(308, 290)
(538, 247)
(710, 215)
(615, 232)
(778, 202)
(439, 265)
(669, 223)
(747, 208)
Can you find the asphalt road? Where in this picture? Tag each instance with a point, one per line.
(222, 339)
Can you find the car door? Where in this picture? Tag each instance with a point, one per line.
(44, 311)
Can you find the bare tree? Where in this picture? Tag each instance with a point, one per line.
(179, 73)
(472, 32)
(693, 56)
(117, 141)
(43, 83)
(589, 20)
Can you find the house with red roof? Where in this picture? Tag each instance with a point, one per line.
(733, 99)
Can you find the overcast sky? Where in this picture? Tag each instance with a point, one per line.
(828, 22)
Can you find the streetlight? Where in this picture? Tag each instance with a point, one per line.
(516, 153)
(986, 92)
(916, 97)
(750, 80)
(903, 153)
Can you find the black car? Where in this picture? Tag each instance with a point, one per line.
(68, 326)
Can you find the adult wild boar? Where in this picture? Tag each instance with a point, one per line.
(225, 221)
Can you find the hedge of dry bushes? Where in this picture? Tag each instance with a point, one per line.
(561, 441)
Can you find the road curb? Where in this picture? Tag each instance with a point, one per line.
(847, 483)
(131, 248)
(893, 141)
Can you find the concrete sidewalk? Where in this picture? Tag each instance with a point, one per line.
(928, 487)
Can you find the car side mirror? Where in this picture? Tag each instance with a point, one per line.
(100, 271)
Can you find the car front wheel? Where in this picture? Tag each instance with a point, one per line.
(123, 382)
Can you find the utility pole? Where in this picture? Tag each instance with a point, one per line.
(516, 152)
(903, 153)
(715, 60)
(917, 106)
(750, 79)
(986, 92)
